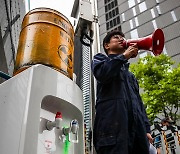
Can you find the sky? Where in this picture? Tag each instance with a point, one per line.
(63, 6)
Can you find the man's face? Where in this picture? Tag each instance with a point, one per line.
(115, 44)
(165, 123)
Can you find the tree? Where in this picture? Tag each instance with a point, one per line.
(161, 85)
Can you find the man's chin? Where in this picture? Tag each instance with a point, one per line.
(121, 50)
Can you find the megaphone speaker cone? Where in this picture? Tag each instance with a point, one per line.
(158, 42)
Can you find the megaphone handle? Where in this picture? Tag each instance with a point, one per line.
(133, 44)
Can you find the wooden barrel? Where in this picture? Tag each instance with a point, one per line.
(47, 37)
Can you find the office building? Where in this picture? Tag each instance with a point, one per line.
(139, 18)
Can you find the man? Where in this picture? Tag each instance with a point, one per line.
(121, 125)
(167, 121)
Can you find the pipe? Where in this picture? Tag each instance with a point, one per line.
(87, 36)
(84, 43)
(4, 75)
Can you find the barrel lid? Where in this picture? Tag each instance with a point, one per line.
(44, 9)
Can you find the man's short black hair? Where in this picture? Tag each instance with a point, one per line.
(166, 119)
(108, 37)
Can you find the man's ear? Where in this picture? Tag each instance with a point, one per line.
(106, 46)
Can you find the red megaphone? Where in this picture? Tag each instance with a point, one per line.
(154, 42)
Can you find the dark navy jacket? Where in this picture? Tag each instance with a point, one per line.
(119, 107)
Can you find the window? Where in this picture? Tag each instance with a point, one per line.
(134, 11)
(142, 7)
(136, 21)
(113, 13)
(107, 25)
(114, 22)
(112, 4)
(111, 24)
(106, 9)
(110, 15)
(119, 28)
(118, 20)
(153, 13)
(123, 17)
(131, 3)
(173, 16)
(109, 7)
(154, 24)
(158, 10)
(115, 2)
(117, 11)
(107, 17)
(131, 24)
(134, 34)
(157, 1)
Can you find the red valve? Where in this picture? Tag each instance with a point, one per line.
(58, 115)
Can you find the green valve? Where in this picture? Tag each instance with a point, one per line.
(66, 145)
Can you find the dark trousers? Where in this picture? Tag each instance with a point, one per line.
(118, 149)
(118, 130)
(137, 144)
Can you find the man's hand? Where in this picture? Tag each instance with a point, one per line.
(149, 137)
(131, 52)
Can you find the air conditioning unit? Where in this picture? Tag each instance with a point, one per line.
(82, 12)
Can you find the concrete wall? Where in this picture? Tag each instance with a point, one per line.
(11, 15)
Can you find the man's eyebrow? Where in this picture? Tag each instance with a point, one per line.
(117, 36)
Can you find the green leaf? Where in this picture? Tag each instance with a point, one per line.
(160, 81)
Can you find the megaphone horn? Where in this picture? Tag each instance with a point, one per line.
(154, 42)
